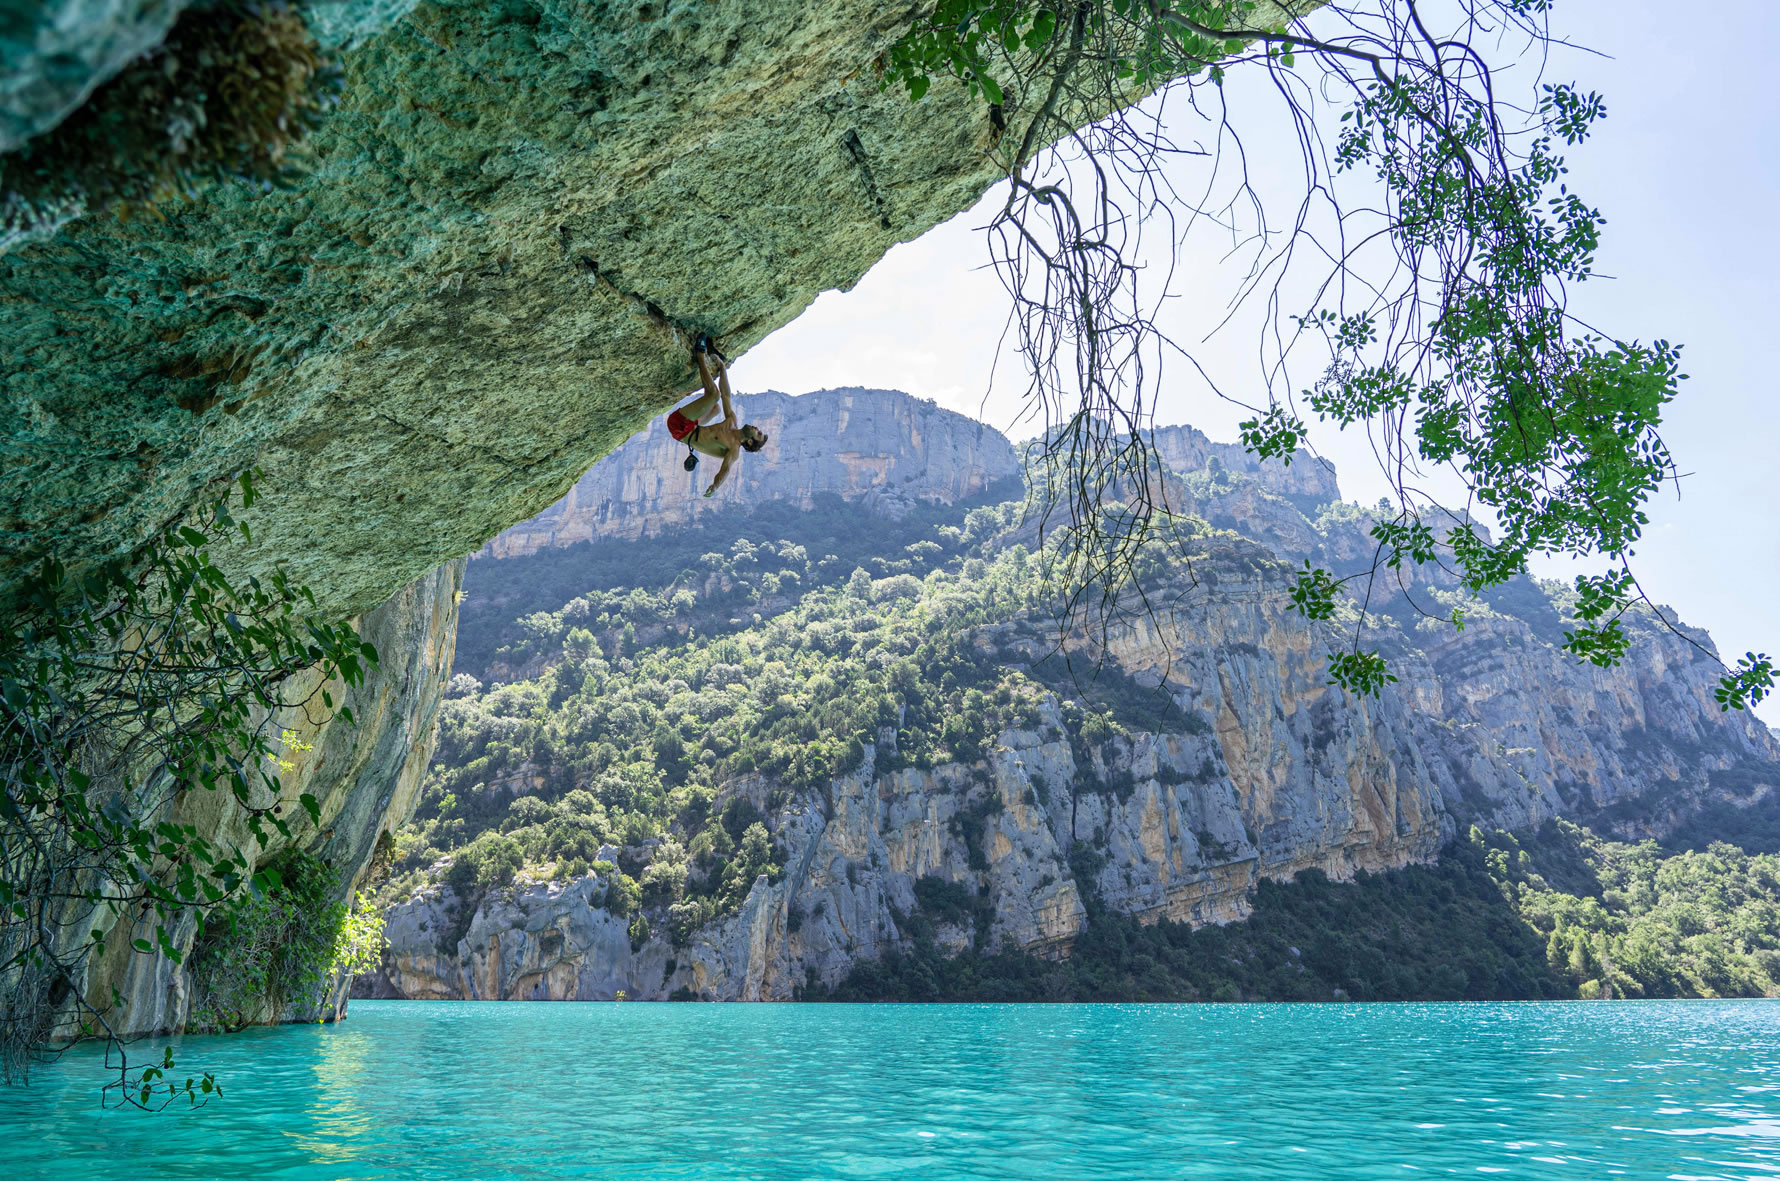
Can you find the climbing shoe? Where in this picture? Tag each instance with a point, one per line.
(702, 344)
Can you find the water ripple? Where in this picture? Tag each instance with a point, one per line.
(781, 1093)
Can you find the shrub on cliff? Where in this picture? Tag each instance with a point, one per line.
(127, 687)
(490, 860)
(282, 947)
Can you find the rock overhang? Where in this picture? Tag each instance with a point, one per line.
(439, 327)
(442, 325)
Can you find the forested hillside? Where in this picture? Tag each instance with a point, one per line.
(816, 751)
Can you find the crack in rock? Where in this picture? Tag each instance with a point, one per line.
(856, 149)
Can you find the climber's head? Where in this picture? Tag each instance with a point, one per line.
(753, 438)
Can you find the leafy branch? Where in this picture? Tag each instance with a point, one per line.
(1440, 310)
(125, 688)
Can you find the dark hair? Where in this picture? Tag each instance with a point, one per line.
(757, 442)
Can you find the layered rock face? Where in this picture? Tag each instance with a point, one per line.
(1307, 481)
(880, 444)
(1264, 770)
(366, 778)
(1525, 734)
(1186, 835)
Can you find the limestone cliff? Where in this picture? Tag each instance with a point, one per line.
(1261, 771)
(366, 778)
(1307, 482)
(880, 444)
(1186, 835)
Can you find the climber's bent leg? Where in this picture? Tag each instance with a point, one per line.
(701, 409)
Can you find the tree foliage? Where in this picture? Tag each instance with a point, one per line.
(650, 701)
(1440, 305)
(124, 688)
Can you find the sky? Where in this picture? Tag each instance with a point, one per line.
(1686, 169)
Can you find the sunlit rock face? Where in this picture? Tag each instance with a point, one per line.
(1307, 480)
(1186, 835)
(366, 778)
(1254, 767)
(894, 449)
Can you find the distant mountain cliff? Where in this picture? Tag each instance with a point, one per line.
(916, 763)
(881, 445)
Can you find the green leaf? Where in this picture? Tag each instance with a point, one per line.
(1362, 673)
(1747, 684)
(1313, 593)
(312, 806)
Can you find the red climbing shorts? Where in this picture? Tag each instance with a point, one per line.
(680, 426)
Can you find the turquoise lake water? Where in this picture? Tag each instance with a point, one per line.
(495, 1091)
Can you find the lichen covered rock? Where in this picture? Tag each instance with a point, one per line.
(55, 53)
(448, 320)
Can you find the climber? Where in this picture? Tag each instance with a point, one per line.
(720, 439)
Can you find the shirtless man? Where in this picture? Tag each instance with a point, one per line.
(725, 439)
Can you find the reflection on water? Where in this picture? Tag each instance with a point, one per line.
(337, 1125)
(446, 1090)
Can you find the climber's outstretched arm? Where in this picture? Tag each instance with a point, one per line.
(722, 474)
(729, 415)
